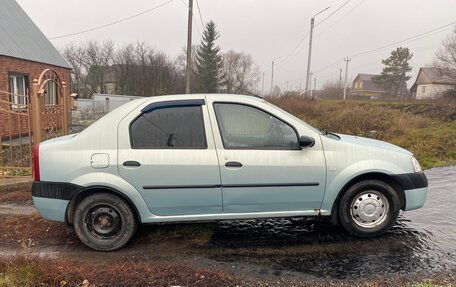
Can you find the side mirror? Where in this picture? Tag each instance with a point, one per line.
(305, 141)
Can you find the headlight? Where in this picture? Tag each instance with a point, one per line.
(416, 164)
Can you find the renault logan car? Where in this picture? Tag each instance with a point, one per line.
(217, 157)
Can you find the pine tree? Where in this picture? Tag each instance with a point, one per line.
(209, 60)
(394, 74)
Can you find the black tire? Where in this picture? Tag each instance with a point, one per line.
(368, 208)
(104, 222)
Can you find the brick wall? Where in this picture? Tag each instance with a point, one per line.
(12, 123)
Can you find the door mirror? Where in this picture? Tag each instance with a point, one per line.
(305, 141)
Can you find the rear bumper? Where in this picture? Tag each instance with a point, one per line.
(52, 198)
(50, 208)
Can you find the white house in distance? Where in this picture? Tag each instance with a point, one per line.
(431, 83)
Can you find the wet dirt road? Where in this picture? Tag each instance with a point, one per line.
(423, 242)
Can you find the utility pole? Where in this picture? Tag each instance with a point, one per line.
(189, 46)
(315, 87)
(309, 59)
(272, 74)
(310, 93)
(346, 72)
(262, 86)
(340, 82)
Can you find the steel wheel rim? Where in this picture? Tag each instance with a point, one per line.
(103, 222)
(369, 209)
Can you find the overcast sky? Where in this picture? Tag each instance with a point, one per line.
(266, 29)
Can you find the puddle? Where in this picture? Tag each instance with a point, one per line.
(423, 240)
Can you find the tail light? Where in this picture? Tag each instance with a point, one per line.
(36, 162)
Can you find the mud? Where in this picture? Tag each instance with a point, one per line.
(17, 209)
(420, 245)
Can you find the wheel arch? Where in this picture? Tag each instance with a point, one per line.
(87, 191)
(370, 175)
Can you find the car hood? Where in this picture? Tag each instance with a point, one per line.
(362, 141)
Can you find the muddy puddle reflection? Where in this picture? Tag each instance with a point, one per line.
(422, 241)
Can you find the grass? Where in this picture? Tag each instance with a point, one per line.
(20, 275)
(25, 272)
(428, 129)
(428, 283)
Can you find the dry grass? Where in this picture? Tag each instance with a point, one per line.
(16, 193)
(426, 129)
(22, 271)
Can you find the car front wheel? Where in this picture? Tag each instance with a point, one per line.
(104, 222)
(368, 208)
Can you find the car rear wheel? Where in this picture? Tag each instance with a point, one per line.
(369, 208)
(104, 222)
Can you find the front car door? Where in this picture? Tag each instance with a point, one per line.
(262, 167)
(167, 152)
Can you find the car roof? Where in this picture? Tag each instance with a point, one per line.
(222, 97)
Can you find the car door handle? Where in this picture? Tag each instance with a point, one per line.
(131, 163)
(233, 164)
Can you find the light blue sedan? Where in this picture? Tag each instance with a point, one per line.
(217, 157)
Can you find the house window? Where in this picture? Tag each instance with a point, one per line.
(50, 97)
(18, 90)
(423, 89)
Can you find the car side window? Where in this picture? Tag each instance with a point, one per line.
(168, 128)
(246, 127)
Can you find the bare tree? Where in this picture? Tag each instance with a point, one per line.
(97, 58)
(134, 69)
(446, 57)
(240, 73)
(74, 54)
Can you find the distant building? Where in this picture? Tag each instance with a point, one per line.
(431, 83)
(102, 79)
(103, 102)
(24, 53)
(364, 87)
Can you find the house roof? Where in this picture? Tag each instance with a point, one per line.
(431, 75)
(439, 76)
(21, 38)
(368, 85)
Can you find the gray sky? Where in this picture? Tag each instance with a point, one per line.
(266, 29)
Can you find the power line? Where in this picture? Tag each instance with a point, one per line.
(410, 39)
(112, 23)
(340, 7)
(199, 12)
(294, 49)
(343, 16)
(307, 35)
(194, 21)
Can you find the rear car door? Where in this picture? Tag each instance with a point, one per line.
(166, 150)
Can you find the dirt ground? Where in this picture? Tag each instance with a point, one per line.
(50, 254)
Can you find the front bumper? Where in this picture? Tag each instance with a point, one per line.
(415, 186)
